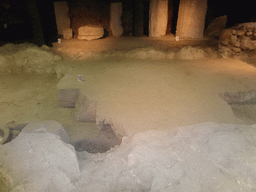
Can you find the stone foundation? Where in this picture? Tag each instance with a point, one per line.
(237, 39)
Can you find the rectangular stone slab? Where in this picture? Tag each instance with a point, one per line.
(67, 91)
(67, 97)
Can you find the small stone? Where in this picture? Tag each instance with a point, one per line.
(236, 49)
(233, 31)
(240, 32)
(237, 44)
(233, 38)
(225, 42)
(249, 33)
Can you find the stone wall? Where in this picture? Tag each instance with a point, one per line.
(237, 39)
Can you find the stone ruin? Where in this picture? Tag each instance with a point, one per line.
(236, 39)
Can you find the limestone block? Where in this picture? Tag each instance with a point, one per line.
(67, 97)
(215, 27)
(90, 32)
(191, 18)
(67, 90)
(61, 14)
(158, 18)
(47, 126)
(115, 19)
(67, 33)
(34, 160)
(85, 109)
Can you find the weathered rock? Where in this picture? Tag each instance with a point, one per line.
(85, 109)
(247, 44)
(158, 17)
(115, 19)
(225, 34)
(191, 19)
(39, 162)
(215, 27)
(47, 126)
(90, 32)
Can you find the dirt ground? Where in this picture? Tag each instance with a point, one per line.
(183, 92)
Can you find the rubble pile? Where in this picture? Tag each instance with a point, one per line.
(237, 39)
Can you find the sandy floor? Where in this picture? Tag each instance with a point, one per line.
(137, 94)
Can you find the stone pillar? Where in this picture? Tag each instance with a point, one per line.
(158, 18)
(191, 19)
(115, 19)
(61, 14)
(138, 18)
